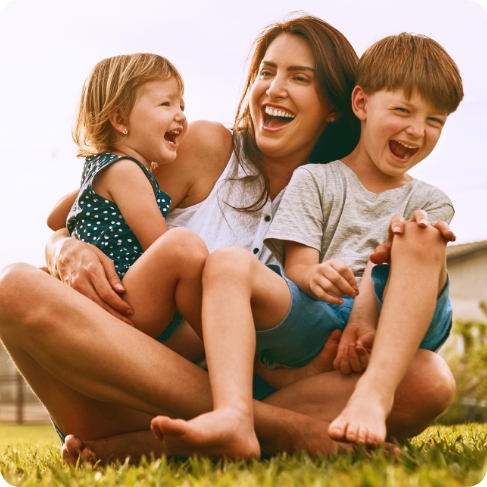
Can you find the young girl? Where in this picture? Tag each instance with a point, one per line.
(131, 116)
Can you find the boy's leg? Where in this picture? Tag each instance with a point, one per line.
(417, 277)
(238, 291)
(166, 276)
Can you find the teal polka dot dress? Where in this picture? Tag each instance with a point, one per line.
(98, 221)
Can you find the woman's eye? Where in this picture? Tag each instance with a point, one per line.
(265, 73)
(301, 78)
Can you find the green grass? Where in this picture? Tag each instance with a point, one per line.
(442, 456)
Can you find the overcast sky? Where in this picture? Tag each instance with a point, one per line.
(48, 47)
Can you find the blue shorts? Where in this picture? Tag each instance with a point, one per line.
(301, 335)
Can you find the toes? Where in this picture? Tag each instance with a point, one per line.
(162, 425)
(337, 429)
(74, 449)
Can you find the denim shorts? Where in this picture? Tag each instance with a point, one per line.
(302, 334)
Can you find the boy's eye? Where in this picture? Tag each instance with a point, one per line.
(438, 121)
(166, 104)
(402, 110)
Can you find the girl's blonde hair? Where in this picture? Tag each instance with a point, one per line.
(111, 87)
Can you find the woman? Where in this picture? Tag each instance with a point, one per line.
(99, 378)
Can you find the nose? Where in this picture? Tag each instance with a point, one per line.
(277, 88)
(180, 116)
(416, 127)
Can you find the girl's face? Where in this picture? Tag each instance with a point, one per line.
(287, 113)
(156, 124)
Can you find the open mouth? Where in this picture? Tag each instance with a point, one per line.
(172, 136)
(275, 118)
(401, 150)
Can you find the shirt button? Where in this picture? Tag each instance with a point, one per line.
(267, 218)
(256, 250)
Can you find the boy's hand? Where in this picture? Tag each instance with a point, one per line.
(331, 279)
(354, 348)
(382, 253)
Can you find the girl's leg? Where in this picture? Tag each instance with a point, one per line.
(166, 276)
(238, 292)
(417, 277)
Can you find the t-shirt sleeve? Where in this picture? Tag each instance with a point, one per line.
(438, 206)
(299, 217)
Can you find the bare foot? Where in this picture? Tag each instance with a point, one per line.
(363, 420)
(280, 377)
(221, 433)
(114, 448)
(74, 450)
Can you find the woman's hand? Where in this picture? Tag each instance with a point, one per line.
(89, 271)
(382, 253)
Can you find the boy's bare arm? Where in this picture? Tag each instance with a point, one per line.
(326, 281)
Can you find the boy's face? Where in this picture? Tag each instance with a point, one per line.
(397, 131)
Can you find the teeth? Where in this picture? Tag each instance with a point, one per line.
(407, 146)
(176, 132)
(274, 112)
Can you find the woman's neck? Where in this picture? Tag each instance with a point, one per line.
(279, 173)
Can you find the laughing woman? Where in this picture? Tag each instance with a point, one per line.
(102, 380)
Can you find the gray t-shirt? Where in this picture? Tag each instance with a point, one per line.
(326, 207)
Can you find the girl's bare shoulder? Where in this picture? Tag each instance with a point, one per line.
(203, 154)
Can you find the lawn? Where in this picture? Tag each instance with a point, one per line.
(441, 456)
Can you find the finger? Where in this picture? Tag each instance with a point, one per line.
(421, 218)
(106, 293)
(445, 231)
(354, 360)
(337, 278)
(381, 254)
(396, 226)
(363, 356)
(345, 363)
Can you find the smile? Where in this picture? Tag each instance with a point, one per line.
(172, 136)
(277, 117)
(402, 150)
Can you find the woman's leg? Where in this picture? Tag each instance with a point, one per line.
(99, 377)
(166, 276)
(417, 278)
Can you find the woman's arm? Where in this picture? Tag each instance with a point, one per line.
(58, 216)
(87, 270)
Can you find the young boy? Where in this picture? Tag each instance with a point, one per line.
(406, 87)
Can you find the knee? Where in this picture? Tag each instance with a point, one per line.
(229, 261)
(18, 283)
(184, 246)
(420, 243)
(425, 393)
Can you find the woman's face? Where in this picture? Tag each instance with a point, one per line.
(287, 113)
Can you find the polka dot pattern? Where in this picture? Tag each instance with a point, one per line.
(98, 221)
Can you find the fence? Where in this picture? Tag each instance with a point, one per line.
(18, 404)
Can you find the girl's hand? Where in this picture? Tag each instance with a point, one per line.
(382, 253)
(89, 271)
(331, 279)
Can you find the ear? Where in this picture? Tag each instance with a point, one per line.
(359, 103)
(333, 116)
(117, 122)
